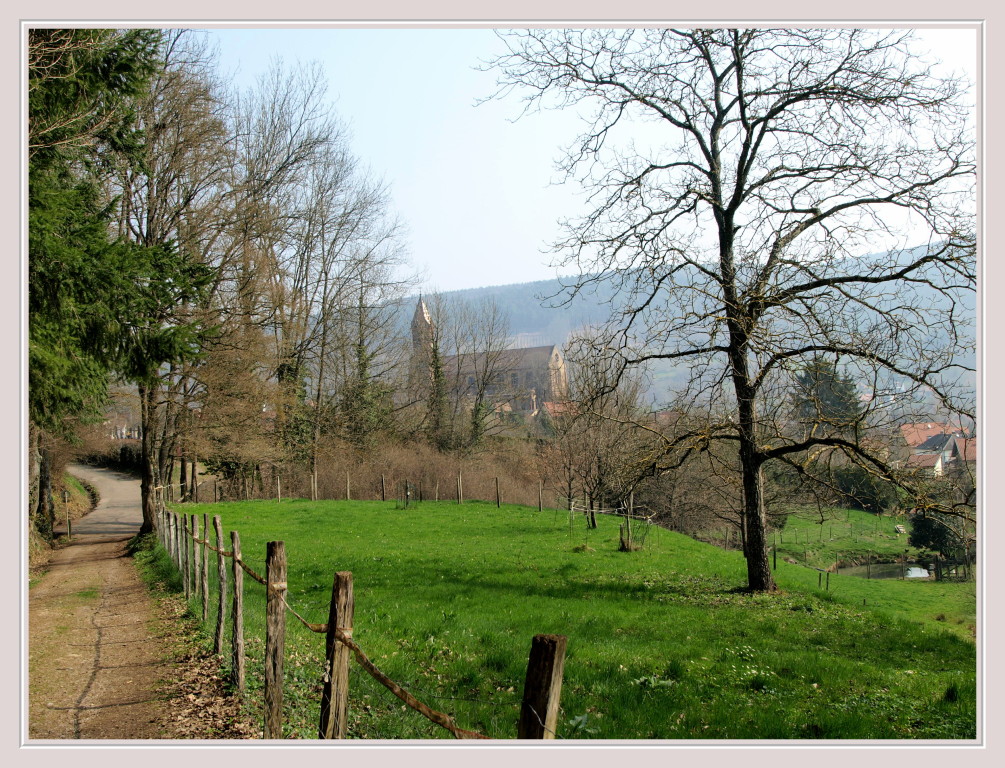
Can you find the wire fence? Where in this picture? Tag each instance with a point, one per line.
(179, 535)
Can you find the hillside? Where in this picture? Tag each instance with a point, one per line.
(663, 643)
(540, 313)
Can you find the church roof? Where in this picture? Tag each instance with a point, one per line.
(511, 359)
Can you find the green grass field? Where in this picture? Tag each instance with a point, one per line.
(844, 535)
(663, 643)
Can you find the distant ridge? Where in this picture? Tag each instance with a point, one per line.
(540, 314)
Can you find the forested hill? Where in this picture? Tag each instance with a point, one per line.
(543, 310)
(541, 313)
(537, 312)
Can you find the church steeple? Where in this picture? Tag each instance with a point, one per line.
(422, 327)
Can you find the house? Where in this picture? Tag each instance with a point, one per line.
(931, 463)
(915, 435)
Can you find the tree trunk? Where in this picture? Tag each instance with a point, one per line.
(148, 456)
(45, 513)
(754, 542)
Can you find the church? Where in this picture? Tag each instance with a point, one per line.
(524, 380)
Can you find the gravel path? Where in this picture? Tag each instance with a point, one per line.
(97, 648)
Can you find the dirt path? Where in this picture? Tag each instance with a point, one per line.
(96, 651)
(100, 649)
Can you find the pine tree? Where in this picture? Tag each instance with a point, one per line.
(826, 402)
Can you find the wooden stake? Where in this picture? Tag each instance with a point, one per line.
(237, 616)
(275, 637)
(205, 567)
(196, 570)
(542, 688)
(221, 578)
(335, 692)
(184, 556)
(498, 498)
(383, 489)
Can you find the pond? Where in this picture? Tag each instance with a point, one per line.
(884, 571)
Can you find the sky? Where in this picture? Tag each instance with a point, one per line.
(476, 189)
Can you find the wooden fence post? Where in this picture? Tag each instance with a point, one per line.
(173, 534)
(347, 496)
(184, 556)
(196, 569)
(196, 560)
(205, 567)
(460, 489)
(279, 487)
(237, 616)
(498, 498)
(221, 578)
(540, 495)
(275, 637)
(543, 688)
(335, 693)
(383, 489)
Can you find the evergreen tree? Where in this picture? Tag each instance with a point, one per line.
(825, 400)
(82, 87)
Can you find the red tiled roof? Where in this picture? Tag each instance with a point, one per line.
(916, 434)
(966, 448)
(923, 460)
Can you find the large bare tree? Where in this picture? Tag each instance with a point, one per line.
(753, 193)
(170, 204)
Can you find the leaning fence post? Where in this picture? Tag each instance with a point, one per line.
(237, 616)
(221, 578)
(275, 636)
(335, 693)
(543, 688)
(205, 567)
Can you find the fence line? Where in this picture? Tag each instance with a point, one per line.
(426, 486)
(180, 538)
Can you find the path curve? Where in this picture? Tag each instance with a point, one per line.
(96, 650)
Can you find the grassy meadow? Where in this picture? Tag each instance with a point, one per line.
(663, 643)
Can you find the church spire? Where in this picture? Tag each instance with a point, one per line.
(422, 326)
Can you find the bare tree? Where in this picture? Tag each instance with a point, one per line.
(460, 370)
(169, 203)
(606, 439)
(765, 164)
(481, 366)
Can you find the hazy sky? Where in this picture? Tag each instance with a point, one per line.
(473, 187)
